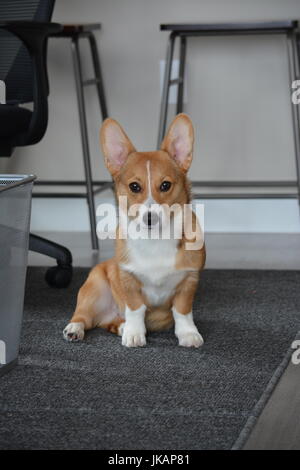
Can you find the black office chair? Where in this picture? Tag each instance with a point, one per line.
(24, 30)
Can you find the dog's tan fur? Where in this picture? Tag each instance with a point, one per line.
(109, 288)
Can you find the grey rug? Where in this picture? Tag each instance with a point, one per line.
(100, 395)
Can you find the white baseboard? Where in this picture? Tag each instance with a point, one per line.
(221, 215)
(224, 250)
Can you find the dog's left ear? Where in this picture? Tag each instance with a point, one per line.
(179, 141)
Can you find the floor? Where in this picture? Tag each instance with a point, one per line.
(278, 426)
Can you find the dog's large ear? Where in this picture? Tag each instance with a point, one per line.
(115, 144)
(179, 141)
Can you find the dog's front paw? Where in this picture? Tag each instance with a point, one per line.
(132, 338)
(74, 331)
(191, 339)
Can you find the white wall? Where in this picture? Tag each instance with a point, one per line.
(238, 89)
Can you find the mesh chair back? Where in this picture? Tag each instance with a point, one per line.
(15, 63)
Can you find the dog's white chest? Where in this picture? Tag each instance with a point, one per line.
(153, 263)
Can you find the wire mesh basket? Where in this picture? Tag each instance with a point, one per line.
(15, 208)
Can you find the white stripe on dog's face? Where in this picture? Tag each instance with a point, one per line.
(149, 204)
(149, 199)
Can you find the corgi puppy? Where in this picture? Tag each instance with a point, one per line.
(150, 283)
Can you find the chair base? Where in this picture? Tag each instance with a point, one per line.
(57, 276)
(6, 150)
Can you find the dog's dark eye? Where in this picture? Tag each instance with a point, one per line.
(135, 187)
(165, 186)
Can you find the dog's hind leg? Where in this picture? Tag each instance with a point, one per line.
(95, 307)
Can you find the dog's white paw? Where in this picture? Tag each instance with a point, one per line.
(121, 329)
(132, 338)
(191, 339)
(74, 331)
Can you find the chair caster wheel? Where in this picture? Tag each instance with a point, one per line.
(59, 276)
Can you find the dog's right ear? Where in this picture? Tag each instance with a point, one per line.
(115, 144)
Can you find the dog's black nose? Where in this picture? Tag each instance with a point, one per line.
(150, 218)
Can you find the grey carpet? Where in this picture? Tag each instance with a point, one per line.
(99, 395)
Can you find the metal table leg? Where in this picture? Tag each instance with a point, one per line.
(84, 139)
(98, 75)
(294, 71)
(180, 89)
(166, 87)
